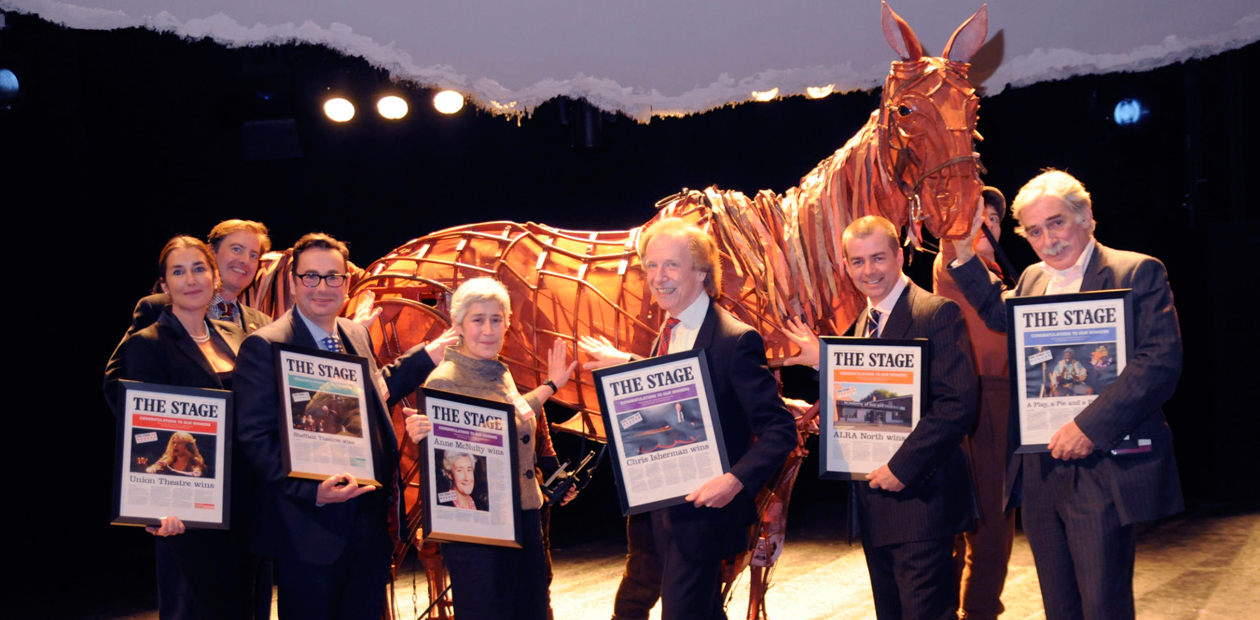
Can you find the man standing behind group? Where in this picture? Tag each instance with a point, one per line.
(910, 510)
(1081, 501)
(686, 543)
(237, 246)
(329, 539)
(983, 555)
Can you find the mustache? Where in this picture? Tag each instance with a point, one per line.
(1055, 249)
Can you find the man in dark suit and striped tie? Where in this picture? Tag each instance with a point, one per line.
(330, 540)
(1081, 500)
(910, 510)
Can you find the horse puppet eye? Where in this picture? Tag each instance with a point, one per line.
(903, 110)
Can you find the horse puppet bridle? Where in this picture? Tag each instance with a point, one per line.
(892, 140)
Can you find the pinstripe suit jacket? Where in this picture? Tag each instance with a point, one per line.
(1144, 486)
(939, 498)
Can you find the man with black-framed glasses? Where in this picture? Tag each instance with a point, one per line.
(330, 540)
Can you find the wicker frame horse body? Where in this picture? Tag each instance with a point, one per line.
(912, 162)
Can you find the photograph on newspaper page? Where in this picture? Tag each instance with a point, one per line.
(325, 423)
(662, 424)
(872, 392)
(468, 471)
(172, 457)
(1065, 350)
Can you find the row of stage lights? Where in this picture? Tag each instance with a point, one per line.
(391, 107)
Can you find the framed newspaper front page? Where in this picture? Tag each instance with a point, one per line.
(325, 423)
(1065, 350)
(173, 450)
(469, 488)
(662, 424)
(872, 392)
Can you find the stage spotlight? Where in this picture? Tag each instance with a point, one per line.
(8, 87)
(818, 92)
(766, 95)
(391, 107)
(1129, 112)
(448, 102)
(339, 110)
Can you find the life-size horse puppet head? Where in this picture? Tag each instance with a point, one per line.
(912, 162)
(927, 124)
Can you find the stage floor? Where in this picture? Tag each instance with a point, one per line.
(1203, 566)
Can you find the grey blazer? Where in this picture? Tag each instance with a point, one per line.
(1145, 486)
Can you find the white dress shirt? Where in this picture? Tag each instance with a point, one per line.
(318, 332)
(1069, 280)
(885, 305)
(683, 338)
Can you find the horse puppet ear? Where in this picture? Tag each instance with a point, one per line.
(900, 36)
(969, 37)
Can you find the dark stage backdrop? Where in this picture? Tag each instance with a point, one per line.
(122, 139)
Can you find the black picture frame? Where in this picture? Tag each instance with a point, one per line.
(338, 438)
(187, 496)
(854, 440)
(458, 426)
(1043, 328)
(695, 429)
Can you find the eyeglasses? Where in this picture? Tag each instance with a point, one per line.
(311, 280)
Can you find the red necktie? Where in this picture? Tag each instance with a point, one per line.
(662, 348)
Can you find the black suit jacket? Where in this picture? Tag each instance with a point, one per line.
(1145, 486)
(748, 406)
(939, 498)
(286, 522)
(164, 353)
(147, 311)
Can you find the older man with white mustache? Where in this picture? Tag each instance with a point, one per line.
(1081, 501)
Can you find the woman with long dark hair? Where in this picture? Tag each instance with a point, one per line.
(202, 574)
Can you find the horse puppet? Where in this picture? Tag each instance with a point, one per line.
(912, 162)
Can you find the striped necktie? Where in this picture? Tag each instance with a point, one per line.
(872, 324)
(663, 347)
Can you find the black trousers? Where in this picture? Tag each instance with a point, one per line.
(641, 582)
(914, 580)
(493, 583)
(351, 588)
(1084, 556)
(207, 575)
(690, 590)
(656, 569)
